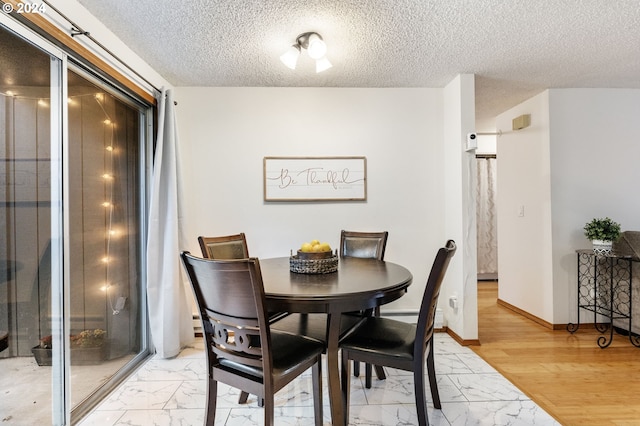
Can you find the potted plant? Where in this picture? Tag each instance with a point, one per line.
(87, 348)
(602, 233)
(42, 352)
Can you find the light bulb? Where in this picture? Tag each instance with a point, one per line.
(106, 204)
(105, 259)
(107, 121)
(323, 64)
(317, 47)
(109, 148)
(107, 176)
(290, 57)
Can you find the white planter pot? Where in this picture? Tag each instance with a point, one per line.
(602, 247)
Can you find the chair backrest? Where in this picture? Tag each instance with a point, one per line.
(367, 245)
(426, 317)
(230, 297)
(224, 247)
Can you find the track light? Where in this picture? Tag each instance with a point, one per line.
(314, 45)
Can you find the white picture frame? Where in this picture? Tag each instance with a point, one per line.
(315, 178)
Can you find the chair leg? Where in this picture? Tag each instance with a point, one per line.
(367, 376)
(212, 397)
(379, 369)
(433, 382)
(356, 369)
(243, 397)
(316, 378)
(421, 402)
(269, 409)
(380, 372)
(345, 379)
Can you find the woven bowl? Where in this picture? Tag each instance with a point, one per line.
(325, 264)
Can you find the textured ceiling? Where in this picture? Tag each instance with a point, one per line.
(516, 48)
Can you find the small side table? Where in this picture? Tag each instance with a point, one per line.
(604, 288)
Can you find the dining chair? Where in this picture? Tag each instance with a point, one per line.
(242, 350)
(366, 245)
(230, 247)
(224, 247)
(400, 345)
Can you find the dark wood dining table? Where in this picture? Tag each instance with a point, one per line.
(358, 284)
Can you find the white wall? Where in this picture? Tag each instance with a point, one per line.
(595, 169)
(486, 143)
(524, 242)
(225, 133)
(578, 160)
(460, 204)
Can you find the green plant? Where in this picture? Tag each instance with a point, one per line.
(602, 229)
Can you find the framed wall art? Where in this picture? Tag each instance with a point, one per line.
(315, 178)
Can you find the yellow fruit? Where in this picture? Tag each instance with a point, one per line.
(317, 248)
(314, 242)
(306, 248)
(325, 247)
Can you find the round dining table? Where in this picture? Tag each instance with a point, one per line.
(358, 284)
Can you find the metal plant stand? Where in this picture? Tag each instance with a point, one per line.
(604, 288)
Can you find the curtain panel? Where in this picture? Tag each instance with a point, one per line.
(170, 316)
(486, 219)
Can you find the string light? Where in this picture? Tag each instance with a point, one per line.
(108, 182)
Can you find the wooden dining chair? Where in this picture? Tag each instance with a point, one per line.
(365, 245)
(242, 350)
(396, 344)
(224, 247)
(231, 247)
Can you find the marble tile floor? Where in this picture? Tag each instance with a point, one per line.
(172, 392)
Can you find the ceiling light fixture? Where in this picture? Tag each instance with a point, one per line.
(316, 48)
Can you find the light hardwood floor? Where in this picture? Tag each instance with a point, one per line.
(568, 375)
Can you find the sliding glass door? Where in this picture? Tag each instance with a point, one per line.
(72, 310)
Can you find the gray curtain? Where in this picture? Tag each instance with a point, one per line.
(170, 317)
(486, 219)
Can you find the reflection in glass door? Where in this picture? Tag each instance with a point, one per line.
(104, 233)
(52, 367)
